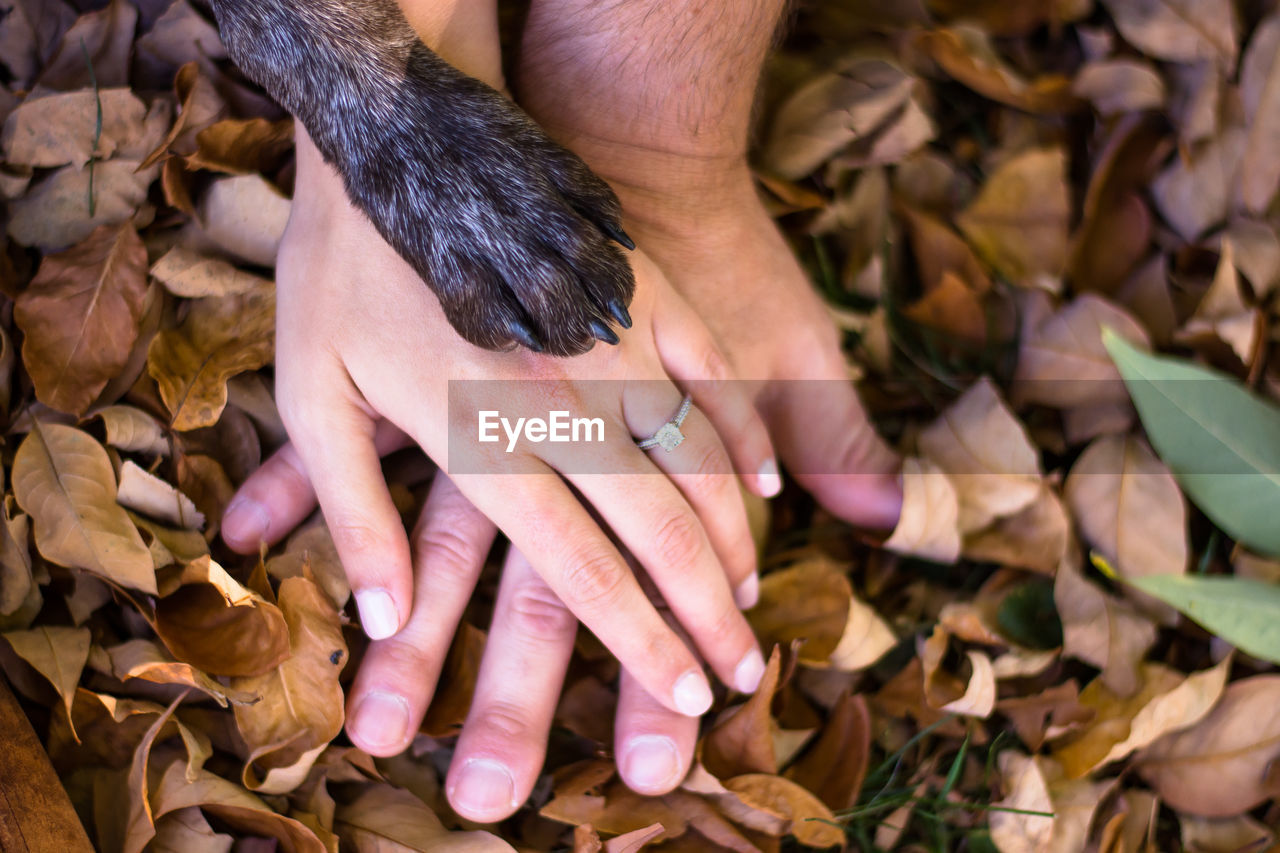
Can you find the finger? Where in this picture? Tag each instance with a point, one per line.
(653, 746)
(648, 514)
(699, 469)
(336, 446)
(831, 448)
(398, 675)
(692, 359)
(585, 571)
(503, 741)
(278, 496)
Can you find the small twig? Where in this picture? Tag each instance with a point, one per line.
(97, 128)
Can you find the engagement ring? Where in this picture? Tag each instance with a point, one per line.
(669, 436)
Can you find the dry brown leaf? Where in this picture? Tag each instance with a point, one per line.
(929, 524)
(1224, 834)
(457, 683)
(180, 35)
(616, 810)
(146, 660)
(28, 32)
(986, 454)
(57, 653)
(954, 309)
(383, 819)
(832, 111)
(1062, 362)
(1180, 30)
(133, 431)
(1219, 767)
(1128, 507)
(1026, 790)
(54, 214)
(1223, 315)
(63, 479)
(311, 548)
(148, 494)
(199, 105)
(1045, 714)
(16, 580)
(866, 639)
(629, 842)
(802, 813)
(834, 767)
(245, 217)
(809, 602)
(974, 696)
(742, 740)
(1197, 192)
(96, 47)
(193, 275)
(187, 831)
(302, 703)
(1260, 90)
(939, 250)
(60, 129)
(967, 54)
(1035, 537)
(1256, 246)
(1101, 630)
(1019, 221)
(1116, 86)
(219, 338)
(242, 146)
(213, 623)
(81, 315)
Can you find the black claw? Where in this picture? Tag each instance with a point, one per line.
(604, 333)
(616, 233)
(525, 335)
(619, 313)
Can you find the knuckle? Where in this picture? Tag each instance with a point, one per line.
(401, 662)
(592, 579)
(715, 375)
(677, 540)
(507, 721)
(535, 612)
(446, 552)
(356, 536)
(706, 465)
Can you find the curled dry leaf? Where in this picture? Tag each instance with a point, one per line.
(63, 479)
(809, 602)
(834, 767)
(1128, 507)
(803, 814)
(1100, 629)
(184, 272)
(929, 525)
(1221, 766)
(16, 580)
(187, 831)
(383, 818)
(219, 338)
(148, 494)
(133, 431)
(986, 454)
(1116, 86)
(57, 653)
(213, 623)
(301, 709)
(311, 548)
(967, 54)
(1222, 314)
(242, 146)
(1019, 221)
(80, 317)
(146, 660)
(1036, 537)
(1224, 834)
(742, 740)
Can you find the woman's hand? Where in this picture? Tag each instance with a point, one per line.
(361, 340)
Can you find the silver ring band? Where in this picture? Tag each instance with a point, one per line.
(669, 436)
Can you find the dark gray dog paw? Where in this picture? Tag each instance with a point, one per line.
(517, 237)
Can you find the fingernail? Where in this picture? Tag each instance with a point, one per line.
(377, 613)
(693, 694)
(245, 521)
(769, 478)
(381, 719)
(748, 592)
(749, 672)
(650, 762)
(483, 787)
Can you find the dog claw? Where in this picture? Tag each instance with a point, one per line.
(525, 336)
(604, 333)
(619, 313)
(615, 233)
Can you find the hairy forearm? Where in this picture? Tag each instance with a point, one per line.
(463, 32)
(681, 74)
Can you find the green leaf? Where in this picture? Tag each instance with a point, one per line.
(1242, 611)
(1221, 441)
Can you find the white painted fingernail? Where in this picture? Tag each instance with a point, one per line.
(749, 672)
(692, 694)
(377, 613)
(769, 478)
(748, 592)
(650, 763)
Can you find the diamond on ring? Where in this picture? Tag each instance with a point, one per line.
(669, 436)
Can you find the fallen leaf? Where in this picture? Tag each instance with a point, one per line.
(1043, 715)
(62, 128)
(81, 315)
(1218, 767)
(834, 767)
(1116, 86)
(96, 47)
(967, 54)
(809, 602)
(146, 660)
(1260, 90)
(187, 831)
(805, 816)
(63, 479)
(311, 548)
(245, 216)
(219, 338)
(302, 703)
(1018, 223)
(193, 275)
(1180, 30)
(382, 818)
(242, 146)
(1224, 834)
(929, 524)
(1223, 315)
(57, 653)
(1101, 630)
(1128, 507)
(1035, 537)
(133, 431)
(152, 496)
(16, 579)
(54, 213)
(1023, 821)
(1197, 192)
(866, 639)
(742, 740)
(213, 623)
(1256, 248)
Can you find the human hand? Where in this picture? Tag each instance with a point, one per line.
(502, 747)
(351, 315)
